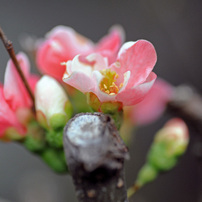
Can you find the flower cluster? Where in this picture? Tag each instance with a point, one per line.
(111, 74)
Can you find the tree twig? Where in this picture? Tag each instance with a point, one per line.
(95, 154)
(9, 47)
(187, 103)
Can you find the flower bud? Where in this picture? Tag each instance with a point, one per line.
(52, 105)
(175, 135)
(170, 142)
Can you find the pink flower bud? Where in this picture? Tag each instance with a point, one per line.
(175, 134)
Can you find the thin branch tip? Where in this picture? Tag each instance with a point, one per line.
(9, 47)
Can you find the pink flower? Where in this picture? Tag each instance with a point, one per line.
(8, 117)
(152, 107)
(127, 80)
(15, 103)
(63, 44)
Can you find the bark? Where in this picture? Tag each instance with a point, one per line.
(187, 103)
(95, 155)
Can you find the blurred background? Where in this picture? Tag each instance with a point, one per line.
(175, 29)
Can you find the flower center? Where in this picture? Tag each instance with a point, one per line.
(107, 84)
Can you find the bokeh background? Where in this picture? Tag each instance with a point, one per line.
(175, 29)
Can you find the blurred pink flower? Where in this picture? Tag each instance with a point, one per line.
(8, 117)
(153, 105)
(127, 80)
(15, 103)
(63, 43)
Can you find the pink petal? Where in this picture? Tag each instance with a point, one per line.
(33, 79)
(49, 58)
(80, 81)
(109, 45)
(14, 91)
(75, 42)
(131, 96)
(153, 105)
(63, 44)
(139, 58)
(8, 117)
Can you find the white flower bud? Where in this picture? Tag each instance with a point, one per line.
(51, 103)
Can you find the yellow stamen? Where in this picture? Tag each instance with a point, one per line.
(108, 83)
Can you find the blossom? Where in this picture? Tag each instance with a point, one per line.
(127, 80)
(52, 105)
(15, 103)
(153, 105)
(63, 43)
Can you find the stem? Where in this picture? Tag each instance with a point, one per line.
(9, 47)
(132, 190)
(95, 154)
(187, 103)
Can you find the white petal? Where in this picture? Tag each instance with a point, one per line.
(78, 66)
(125, 46)
(50, 96)
(100, 61)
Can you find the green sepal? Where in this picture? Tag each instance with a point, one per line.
(33, 144)
(35, 138)
(11, 134)
(160, 158)
(93, 101)
(55, 138)
(79, 103)
(115, 110)
(55, 160)
(68, 109)
(58, 121)
(41, 118)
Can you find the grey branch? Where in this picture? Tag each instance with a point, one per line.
(95, 154)
(187, 103)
